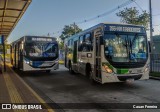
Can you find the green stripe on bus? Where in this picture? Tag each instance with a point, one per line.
(122, 71)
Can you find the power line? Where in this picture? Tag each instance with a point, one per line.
(138, 6)
(103, 14)
(157, 25)
(106, 13)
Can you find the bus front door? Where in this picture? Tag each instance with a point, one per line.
(97, 60)
(75, 53)
(65, 57)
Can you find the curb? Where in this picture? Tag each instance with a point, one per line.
(152, 77)
(32, 91)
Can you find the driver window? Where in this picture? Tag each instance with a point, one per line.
(80, 45)
(88, 43)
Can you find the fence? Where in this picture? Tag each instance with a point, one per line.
(154, 62)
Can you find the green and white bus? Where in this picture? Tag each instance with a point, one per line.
(35, 53)
(109, 53)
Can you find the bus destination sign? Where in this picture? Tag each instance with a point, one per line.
(123, 28)
(42, 39)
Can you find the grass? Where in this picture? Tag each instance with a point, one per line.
(155, 74)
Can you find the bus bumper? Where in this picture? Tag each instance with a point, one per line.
(27, 67)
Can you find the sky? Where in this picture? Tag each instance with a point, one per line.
(50, 16)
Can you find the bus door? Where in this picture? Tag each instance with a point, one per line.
(97, 49)
(20, 56)
(18, 53)
(75, 49)
(15, 47)
(75, 53)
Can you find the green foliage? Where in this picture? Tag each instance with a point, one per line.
(69, 30)
(61, 45)
(132, 16)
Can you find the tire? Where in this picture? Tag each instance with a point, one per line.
(92, 81)
(70, 68)
(89, 75)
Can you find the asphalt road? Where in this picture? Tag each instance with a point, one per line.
(61, 87)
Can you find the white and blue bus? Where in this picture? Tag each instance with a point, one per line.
(34, 53)
(109, 53)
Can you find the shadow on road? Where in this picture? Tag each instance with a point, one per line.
(62, 79)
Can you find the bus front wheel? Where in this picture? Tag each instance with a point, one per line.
(89, 75)
(70, 68)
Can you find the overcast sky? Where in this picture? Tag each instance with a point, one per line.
(49, 16)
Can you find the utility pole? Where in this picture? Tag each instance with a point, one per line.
(74, 25)
(151, 26)
(48, 35)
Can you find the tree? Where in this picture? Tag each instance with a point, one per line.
(132, 16)
(69, 30)
(61, 45)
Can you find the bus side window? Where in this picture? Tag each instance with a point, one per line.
(80, 45)
(88, 46)
(70, 44)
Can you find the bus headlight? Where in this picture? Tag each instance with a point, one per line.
(27, 62)
(108, 69)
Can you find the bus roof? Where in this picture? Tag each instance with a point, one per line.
(101, 24)
(24, 37)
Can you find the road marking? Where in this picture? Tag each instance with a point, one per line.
(33, 92)
(13, 93)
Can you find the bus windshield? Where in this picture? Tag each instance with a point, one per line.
(41, 49)
(125, 47)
